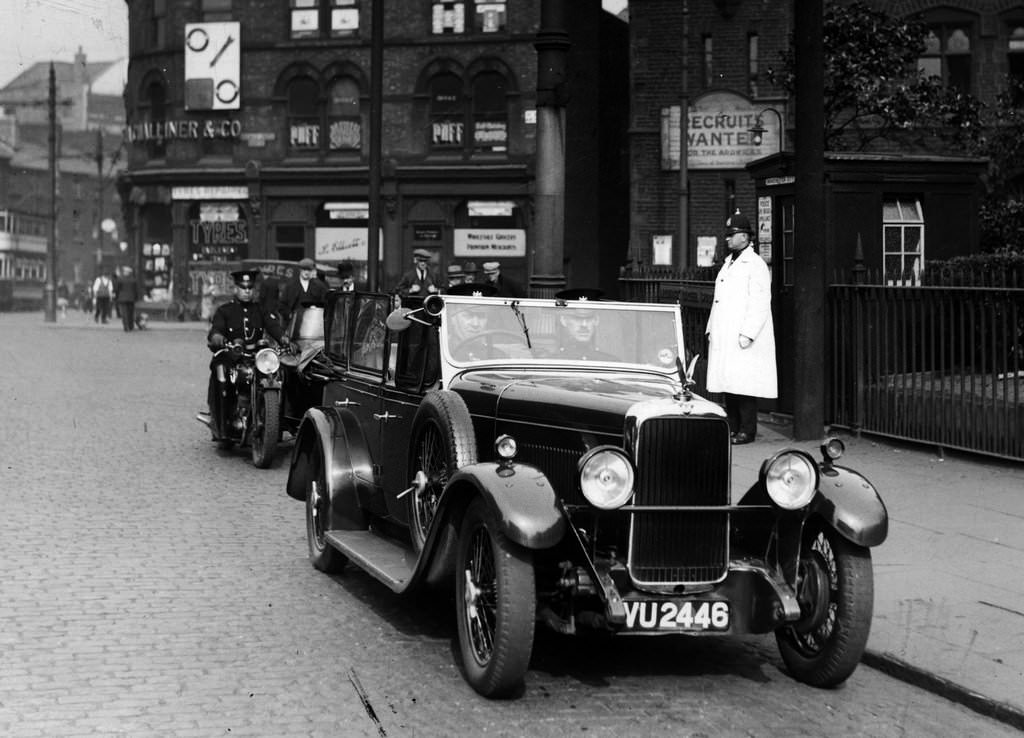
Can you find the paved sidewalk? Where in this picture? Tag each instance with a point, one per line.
(949, 580)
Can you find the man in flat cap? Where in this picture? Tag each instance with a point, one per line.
(505, 287)
(242, 322)
(740, 332)
(419, 281)
(304, 288)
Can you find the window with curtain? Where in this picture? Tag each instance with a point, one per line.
(344, 122)
(447, 113)
(947, 54)
(753, 64)
(303, 115)
(903, 240)
(490, 113)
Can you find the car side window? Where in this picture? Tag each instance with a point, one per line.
(338, 326)
(418, 363)
(369, 332)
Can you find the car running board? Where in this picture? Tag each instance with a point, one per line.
(384, 559)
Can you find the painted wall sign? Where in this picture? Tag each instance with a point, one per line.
(718, 132)
(482, 242)
(160, 130)
(209, 192)
(343, 244)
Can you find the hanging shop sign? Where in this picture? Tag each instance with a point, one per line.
(213, 66)
(483, 242)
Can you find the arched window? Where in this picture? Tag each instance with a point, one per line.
(447, 113)
(1015, 61)
(344, 121)
(154, 110)
(490, 113)
(303, 114)
(948, 49)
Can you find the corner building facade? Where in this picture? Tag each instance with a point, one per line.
(248, 136)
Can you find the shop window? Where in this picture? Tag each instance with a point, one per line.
(158, 24)
(490, 113)
(447, 113)
(344, 120)
(753, 64)
(947, 54)
(303, 115)
(215, 10)
(903, 240)
(314, 19)
(1015, 63)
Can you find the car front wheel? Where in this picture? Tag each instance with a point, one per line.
(837, 598)
(496, 604)
(322, 555)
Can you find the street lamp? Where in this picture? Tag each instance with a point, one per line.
(758, 130)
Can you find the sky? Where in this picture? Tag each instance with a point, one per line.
(42, 30)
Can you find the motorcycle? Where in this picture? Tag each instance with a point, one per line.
(245, 399)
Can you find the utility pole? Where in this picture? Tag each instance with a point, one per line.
(809, 270)
(99, 192)
(50, 290)
(376, 145)
(552, 46)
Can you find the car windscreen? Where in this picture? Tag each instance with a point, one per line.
(546, 331)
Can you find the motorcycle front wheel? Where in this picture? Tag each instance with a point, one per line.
(266, 428)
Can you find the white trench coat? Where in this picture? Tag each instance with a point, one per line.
(742, 306)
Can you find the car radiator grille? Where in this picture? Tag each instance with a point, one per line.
(681, 461)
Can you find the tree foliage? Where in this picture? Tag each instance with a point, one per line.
(873, 91)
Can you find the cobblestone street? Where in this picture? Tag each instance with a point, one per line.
(151, 585)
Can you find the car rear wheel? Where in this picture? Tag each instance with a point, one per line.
(496, 604)
(443, 442)
(322, 555)
(837, 598)
(267, 428)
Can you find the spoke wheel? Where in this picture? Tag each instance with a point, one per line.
(322, 555)
(267, 428)
(837, 599)
(443, 443)
(496, 604)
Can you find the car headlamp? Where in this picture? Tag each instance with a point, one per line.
(505, 447)
(791, 478)
(606, 478)
(267, 361)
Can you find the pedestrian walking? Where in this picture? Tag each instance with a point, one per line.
(127, 296)
(740, 332)
(63, 297)
(419, 281)
(102, 291)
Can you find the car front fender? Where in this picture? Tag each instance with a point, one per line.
(523, 498)
(850, 503)
(335, 440)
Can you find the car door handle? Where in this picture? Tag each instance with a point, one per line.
(345, 403)
(385, 416)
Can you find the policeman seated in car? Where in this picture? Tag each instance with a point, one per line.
(242, 322)
(468, 325)
(577, 337)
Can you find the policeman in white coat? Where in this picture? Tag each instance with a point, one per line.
(741, 336)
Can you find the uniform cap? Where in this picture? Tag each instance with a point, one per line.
(245, 277)
(492, 266)
(737, 223)
(454, 269)
(421, 254)
(307, 264)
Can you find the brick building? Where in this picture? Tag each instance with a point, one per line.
(248, 136)
(717, 55)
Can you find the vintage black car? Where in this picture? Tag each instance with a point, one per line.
(548, 460)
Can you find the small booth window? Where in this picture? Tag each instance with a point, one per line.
(903, 239)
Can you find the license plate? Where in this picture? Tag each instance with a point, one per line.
(682, 616)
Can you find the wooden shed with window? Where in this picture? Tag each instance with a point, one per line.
(904, 210)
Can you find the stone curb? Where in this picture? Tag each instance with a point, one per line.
(944, 688)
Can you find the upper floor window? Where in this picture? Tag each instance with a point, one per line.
(1015, 62)
(324, 18)
(215, 10)
(303, 114)
(490, 113)
(947, 54)
(462, 16)
(324, 123)
(158, 27)
(706, 68)
(447, 112)
(344, 119)
(154, 110)
(903, 240)
(753, 65)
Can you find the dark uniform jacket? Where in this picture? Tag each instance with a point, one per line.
(246, 321)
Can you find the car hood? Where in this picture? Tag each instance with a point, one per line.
(595, 401)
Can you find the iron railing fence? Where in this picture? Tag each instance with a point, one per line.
(942, 365)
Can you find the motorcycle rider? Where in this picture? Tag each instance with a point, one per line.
(241, 322)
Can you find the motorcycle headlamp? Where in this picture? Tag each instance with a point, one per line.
(791, 478)
(267, 361)
(606, 477)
